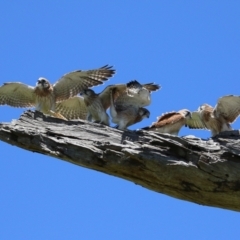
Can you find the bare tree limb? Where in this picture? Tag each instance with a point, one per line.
(206, 172)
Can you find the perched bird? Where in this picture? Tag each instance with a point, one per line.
(45, 95)
(96, 111)
(98, 103)
(170, 122)
(137, 94)
(92, 106)
(127, 108)
(216, 119)
(126, 115)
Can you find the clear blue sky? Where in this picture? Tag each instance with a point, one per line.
(190, 48)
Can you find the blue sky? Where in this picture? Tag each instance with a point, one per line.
(190, 48)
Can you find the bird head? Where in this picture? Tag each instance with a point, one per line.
(186, 113)
(87, 93)
(144, 113)
(43, 83)
(202, 107)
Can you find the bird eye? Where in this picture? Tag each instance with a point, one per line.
(41, 80)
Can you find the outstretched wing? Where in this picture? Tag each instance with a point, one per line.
(72, 108)
(17, 94)
(151, 87)
(195, 121)
(228, 107)
(133, 87)
(74, 82)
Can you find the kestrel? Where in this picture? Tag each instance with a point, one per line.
(126, 115)
(216, 119)
(98, 103)
(92, 106)
(45, 95)
(170, 122)
(96, 111)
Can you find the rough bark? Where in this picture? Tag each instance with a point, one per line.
(206, 172)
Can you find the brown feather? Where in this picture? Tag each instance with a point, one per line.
(44, 91)
(167, 118)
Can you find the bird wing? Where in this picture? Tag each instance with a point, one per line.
(17, 94)
(72, 108)
(151, 87)
(228, 107)
(167, 118)
(135, 94)
(124, 100)
(195, 121)
(74, 82)
(116, 90)
(133, 87)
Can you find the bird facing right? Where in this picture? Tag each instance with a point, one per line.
(125, 115)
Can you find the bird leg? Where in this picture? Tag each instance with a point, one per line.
(89, 117)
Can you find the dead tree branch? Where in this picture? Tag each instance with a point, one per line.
(206, 172)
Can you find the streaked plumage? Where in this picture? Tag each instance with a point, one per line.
(76, 108)
(72, 108)
(217, 119)
(170, 122)
(45, 96)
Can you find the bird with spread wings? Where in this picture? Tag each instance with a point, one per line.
(45, 95)
(216, 119)
(89, 105)
(93, 106)
(128, 109)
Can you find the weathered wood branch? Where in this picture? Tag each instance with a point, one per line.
(188, 168)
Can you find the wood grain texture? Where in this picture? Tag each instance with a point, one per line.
(205, 172)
